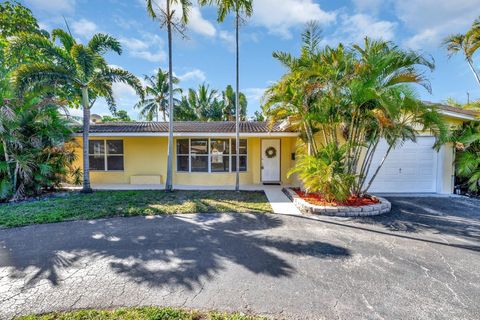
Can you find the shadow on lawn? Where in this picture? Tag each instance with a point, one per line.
(164, 250)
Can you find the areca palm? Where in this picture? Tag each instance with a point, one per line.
(239, 7)
(77, 68)
(166, 16)
(467, 43)
(157, 92)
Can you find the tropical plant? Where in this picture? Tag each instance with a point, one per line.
(37, 150)
(467, 162)
(167, 17)
(258, 116)
(351, 96)
(239, 7)
(157, 93)
(229, 105)
(204, 103)
(78, 69)
(468, 44)
(117, 116)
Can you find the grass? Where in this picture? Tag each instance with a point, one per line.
(104, 204)
(146, 313)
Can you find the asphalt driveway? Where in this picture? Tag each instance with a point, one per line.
(421, 261)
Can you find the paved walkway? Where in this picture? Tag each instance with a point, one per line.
(422, 261)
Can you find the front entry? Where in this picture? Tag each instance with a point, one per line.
(270, 161)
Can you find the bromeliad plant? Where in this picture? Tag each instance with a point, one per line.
(353, 97)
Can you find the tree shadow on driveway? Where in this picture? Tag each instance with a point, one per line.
(157, 251)
(456, 217)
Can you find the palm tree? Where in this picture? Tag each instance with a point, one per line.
(166, 16)
(467, 43)
(229, 104)
(204, 103)
(224, 8)
(79, 69)
(157, 93)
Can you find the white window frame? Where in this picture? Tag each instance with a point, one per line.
(105, 155)
(231, 154)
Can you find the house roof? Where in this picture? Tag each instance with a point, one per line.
(454, 111)
(188, 127)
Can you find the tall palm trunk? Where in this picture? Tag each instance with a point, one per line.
(470, 63)
(86, 130)
(237, 100)
(169, 183)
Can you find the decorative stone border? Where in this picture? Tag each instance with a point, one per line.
(369, 210)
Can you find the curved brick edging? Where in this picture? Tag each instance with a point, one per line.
(307, 208)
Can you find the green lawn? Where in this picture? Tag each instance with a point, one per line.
(147, 313)
(102, 204)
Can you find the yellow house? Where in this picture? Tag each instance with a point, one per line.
(135, 154)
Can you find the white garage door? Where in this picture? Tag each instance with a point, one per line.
(410, 168)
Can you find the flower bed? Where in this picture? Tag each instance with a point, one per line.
(353, 207)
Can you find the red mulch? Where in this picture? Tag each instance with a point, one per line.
(353, 201)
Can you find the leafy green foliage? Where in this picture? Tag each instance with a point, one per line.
(36, 151)
(351, 96)
(324, 173)
(467, 162)
(117, 116)
(15, 18)
(103, 204)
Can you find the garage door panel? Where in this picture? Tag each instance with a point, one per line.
(409, 168)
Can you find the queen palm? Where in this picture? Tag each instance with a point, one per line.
(157, 92)
(467, 43)
(166, 16)
(239, 7)
(78, 69)
(204, 103)
(229, 104)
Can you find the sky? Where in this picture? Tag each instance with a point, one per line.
(207, 53)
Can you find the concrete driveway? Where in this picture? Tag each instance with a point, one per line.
(422, 261)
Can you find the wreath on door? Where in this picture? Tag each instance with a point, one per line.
(271, 152)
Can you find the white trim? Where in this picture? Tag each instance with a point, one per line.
(192, 134)
(457, 115)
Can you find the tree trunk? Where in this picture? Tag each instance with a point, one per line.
(7, 160)
(378, 169)
(237, 101)
(470, 63)
(86, 130)
(169, 182)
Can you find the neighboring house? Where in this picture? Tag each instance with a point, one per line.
(136, 153)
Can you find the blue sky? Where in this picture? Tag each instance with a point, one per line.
(207, 55)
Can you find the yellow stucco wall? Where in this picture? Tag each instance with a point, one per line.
(147, 156)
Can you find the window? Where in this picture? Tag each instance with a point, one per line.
(243, 155)
(106, 155)
(209, 155)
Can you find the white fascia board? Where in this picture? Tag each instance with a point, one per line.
(191, 134)
(458, 115)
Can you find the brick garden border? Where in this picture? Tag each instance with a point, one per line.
(369, 210)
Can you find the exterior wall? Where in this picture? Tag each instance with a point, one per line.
(147, 156)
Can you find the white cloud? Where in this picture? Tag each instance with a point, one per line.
(280, 16)
(200, 25)
(359, 26)
(431, 20)
(254, 95)
(57, 6)
(193, 75)
(150, 47)
(228, 38)
(84, 28)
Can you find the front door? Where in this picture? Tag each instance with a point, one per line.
(270, 160)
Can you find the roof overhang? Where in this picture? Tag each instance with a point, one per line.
(458, 115)
(192, 134)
